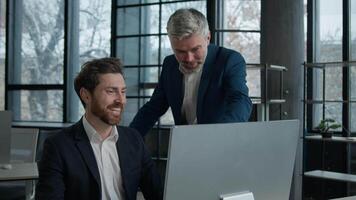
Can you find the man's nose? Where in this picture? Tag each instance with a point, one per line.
(120, 97)
(189, 57)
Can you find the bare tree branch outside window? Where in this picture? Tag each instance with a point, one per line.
(42, 51)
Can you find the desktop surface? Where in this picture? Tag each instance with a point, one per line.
(19, 171)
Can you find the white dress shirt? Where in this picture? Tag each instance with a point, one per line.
(191, 82)
(107, 160)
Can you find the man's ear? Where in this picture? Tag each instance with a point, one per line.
(209, 37)
(84, 95)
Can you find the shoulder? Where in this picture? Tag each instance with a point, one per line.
(228, 53)
(170, 59)
(130, 135)
(131, 140)
(63, 136)
(170, 67)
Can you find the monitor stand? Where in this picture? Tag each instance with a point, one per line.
(247, 195)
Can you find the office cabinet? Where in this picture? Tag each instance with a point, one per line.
(327, 162)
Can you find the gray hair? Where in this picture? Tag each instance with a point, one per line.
(185, 22)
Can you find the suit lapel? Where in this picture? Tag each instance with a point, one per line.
(205, 78)
(123, 153)
(177, 90)
(83, 144)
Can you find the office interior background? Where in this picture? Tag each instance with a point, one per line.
(300, 57)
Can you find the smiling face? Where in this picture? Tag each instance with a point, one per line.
(106, 103)
(190, 51)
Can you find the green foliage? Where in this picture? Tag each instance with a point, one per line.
(326, 124)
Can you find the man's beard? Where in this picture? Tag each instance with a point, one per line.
(106, 114)
(188, 66)
(188, 69)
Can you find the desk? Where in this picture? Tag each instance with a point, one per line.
(346, 198)
(19, 171)
(331, 175)
(22, 172)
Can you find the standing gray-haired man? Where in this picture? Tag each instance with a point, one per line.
(201, 83)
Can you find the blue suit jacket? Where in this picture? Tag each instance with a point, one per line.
(68, 168)
(222, 96)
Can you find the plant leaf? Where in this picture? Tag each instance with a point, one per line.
(329, 120)
(335, 126)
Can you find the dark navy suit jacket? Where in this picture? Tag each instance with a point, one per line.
(68, 168)
(222, 96)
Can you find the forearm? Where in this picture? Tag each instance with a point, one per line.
(144, 119)
(238, 103)
(147, 116)
(238, 109)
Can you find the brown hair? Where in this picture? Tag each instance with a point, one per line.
(88, 76)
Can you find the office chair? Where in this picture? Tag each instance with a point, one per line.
(23, 150)
(43, 135)
(24, 144)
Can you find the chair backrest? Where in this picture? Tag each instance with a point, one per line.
(24, 144)
(43, 135)
(5, 136)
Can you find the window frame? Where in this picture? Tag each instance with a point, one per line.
(71, 57)
(312, 23)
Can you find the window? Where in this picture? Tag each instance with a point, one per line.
(239, 28)
(305, 4)
(141, 27)
(331, 82)
(94, 42)
(328, 44)
(37, 60)
(329, 26)
(46, 55)
(328, 48)
(353, 69)
(2, 52)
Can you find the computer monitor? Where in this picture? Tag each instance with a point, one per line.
(5, 136)
(206, 161)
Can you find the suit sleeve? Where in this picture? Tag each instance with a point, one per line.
(150, 182)
(50, 184)
(238, 103)
(149, 113)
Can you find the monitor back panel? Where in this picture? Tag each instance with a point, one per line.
(206, 161)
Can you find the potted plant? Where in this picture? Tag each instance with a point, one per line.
(326, 125)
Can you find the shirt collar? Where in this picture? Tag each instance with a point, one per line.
(94, 135)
